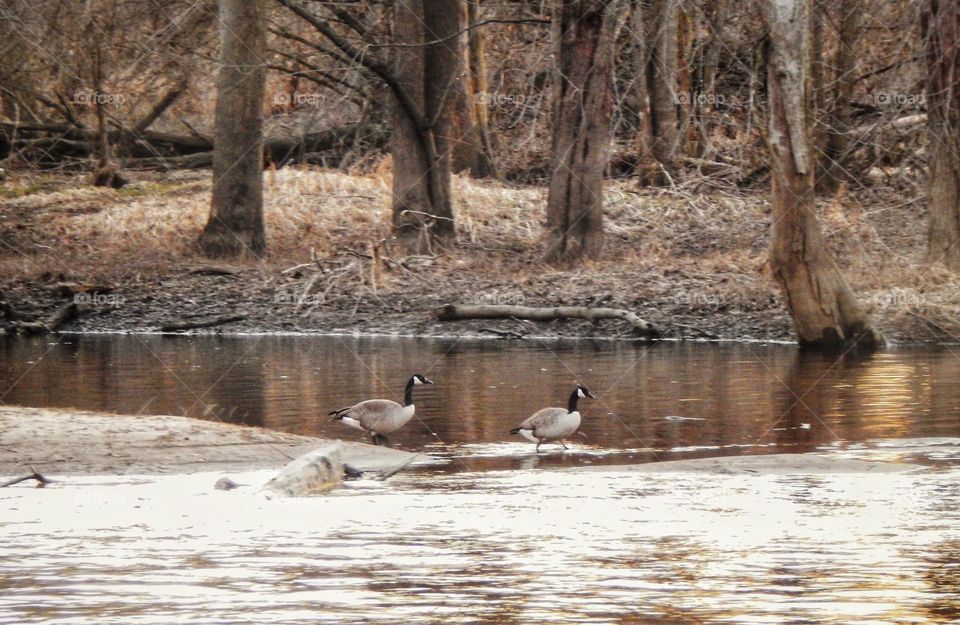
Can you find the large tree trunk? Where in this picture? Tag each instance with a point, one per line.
(581, 130)
(422, 211)
(236, 225)
(942, 29)
(824, 310)
(662, 83)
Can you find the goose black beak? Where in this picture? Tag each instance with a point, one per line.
(426, 381)
(591, 395)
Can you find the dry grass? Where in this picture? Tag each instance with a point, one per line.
(701, 254)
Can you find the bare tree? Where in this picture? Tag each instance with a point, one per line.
(942, 29)
(581, 130)
(235, 226)
(421, 144)
(655, 25)
(838, 96)
(822, 305)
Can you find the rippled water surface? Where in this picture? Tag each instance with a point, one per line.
(497, 534)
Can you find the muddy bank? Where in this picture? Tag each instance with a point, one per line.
(61, 442)
(259, 302)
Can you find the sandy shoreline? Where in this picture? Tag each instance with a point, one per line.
(58, 442)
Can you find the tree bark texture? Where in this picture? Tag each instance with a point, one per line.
(840, 95)
(422, 211)
(662, 25)
(581, 130)
(235, 226)
(942, 30)
(824, 310)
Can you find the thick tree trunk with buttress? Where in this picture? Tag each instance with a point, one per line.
(942, 29)
(422, 211)
(581, 130)
(824, 310)
(235, 226)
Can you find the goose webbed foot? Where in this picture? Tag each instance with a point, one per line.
(378, 439)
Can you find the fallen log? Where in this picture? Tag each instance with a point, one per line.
(64, 314)
(312, 473)
(203, 323)
(454, 312)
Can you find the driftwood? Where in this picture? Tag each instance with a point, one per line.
(452, 312)
(314, 472)
(41, 480)
(66, 313)
(204, 323)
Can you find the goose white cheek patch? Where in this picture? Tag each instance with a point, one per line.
(580, 392)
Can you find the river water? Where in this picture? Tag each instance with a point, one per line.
(496, 533)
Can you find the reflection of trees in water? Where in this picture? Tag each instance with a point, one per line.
(943, 575)
(484, 388)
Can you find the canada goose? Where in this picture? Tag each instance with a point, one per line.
(554, 424)
(379, 417)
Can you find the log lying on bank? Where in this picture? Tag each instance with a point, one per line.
(312, 473)
(65, 313)
(202, 323)
(456, 312)
(49, 143)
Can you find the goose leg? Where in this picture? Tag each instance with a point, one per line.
(539, 442)
(564, 443)
(378, 439)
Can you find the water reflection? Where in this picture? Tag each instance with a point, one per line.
(667, 401)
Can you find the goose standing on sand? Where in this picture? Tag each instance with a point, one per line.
(554, 424)
(379, 417)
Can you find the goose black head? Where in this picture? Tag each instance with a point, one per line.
(419, 379)
(583, 391)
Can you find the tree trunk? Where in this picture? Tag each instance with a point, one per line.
(235, 226)
(481, 162)
(662, 83)
(823, 308)
(581, 130)
(841, 94)
(422, 212)
(942, 30)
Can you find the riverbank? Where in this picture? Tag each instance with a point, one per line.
(692, 263)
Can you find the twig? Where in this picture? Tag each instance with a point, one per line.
(507, 334)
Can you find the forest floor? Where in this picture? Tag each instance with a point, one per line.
(690, 260)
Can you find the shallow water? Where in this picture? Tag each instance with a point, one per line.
(655, 403)
(607, 546)
(498, 534)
